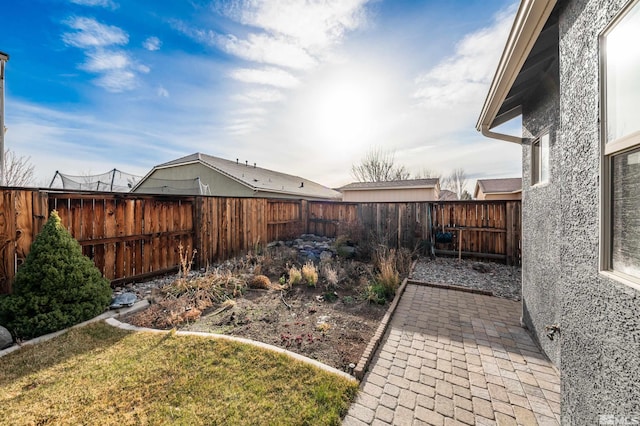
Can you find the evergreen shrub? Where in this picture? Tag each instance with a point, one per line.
(56, 287)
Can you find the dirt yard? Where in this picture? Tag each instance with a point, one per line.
(333, 332)
(331, 322)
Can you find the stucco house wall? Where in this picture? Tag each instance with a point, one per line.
(597, 347)
(542, 222)
(600, 324)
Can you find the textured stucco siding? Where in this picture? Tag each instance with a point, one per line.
(598, 349)
(600, 342)
(541, 220)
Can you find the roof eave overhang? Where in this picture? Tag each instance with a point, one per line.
(527, 26)
(297, 194)
(503, 192)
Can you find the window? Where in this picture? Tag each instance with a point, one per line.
(540, 160)
(621, 139)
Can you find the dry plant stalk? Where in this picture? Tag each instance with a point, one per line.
(186, 262)
(388, 275)
(310, 273)
(330, 274)
(295, 276)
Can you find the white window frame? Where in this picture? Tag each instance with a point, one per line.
(538, 148)
(610, 149)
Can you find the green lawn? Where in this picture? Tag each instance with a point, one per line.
(99, 374)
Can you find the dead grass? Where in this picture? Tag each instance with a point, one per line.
(102, 375)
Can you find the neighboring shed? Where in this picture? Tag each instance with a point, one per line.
(446, 195)
(394, 191)
(571, 69)
(498, 189)
(205, 174)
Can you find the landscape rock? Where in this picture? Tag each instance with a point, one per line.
(481, 267)
(325, 256)
(6, 340)
(502, 281)
(123, 300)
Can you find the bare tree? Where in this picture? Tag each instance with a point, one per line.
(18, 170)
(427, 173)
(456, 181)
(379, 166)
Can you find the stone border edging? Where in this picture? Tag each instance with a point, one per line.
(374, 343)
(125, 326)
(453, 287)
(138, 306)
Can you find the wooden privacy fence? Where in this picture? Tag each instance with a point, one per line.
(482, 229)
(136, 236)
(132, 236)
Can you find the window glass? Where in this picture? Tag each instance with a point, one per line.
(622, 49)
(621, 134)
(535, 162)
(625, 212)
(540, 160)
(544, 158)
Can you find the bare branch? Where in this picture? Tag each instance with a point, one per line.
(456, 181)
(18, 170)
(379, 166)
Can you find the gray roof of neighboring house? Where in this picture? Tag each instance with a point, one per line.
(499, 186)
(446, 195)
(257, 178)
(396, 184)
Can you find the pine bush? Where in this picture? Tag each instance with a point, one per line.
(56, 287)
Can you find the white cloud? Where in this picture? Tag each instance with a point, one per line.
(464, 77)
(117, 71)
(91, 33)
(290, 34)
(106, 60)
(117, 80)
(315, 24)
(266, 95)
(152, 43)
(263, 48)
(267, 76)
(102, 3)
(162, 92)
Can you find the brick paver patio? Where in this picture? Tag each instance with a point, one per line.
(457, 358)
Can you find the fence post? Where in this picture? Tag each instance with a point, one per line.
(304, 216)
(197, 231)
(509, 213)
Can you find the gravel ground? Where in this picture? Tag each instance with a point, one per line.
(501, 280)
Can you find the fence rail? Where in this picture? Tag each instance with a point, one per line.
(130, 236)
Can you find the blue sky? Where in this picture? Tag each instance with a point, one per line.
(302, 87)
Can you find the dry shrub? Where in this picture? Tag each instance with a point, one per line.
(260, 281)
(403, 261)
(295, 276)
(330, 274)
(191, 315)
(387, 276)
(310, 273)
